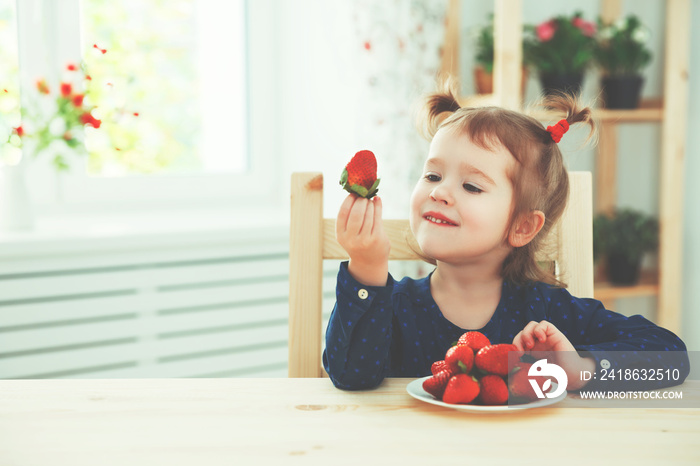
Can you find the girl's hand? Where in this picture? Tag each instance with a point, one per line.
(360, 231)
(539, 339)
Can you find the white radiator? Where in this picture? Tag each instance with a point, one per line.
(203, 308)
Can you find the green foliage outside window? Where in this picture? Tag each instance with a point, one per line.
(147, 86)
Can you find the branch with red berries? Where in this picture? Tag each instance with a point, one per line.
(59, 117)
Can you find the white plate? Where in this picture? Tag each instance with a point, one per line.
(415, 389)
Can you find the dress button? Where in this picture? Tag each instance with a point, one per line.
(362, 293)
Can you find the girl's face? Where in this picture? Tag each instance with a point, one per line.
(460, 207)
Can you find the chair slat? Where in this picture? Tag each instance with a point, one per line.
(398, 232)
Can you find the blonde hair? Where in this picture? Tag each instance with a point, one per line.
(540, 180)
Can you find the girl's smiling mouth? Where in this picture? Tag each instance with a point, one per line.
(439, 219)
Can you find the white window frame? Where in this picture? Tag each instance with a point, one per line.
(58, 42)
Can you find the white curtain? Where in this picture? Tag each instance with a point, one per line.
(400, 44)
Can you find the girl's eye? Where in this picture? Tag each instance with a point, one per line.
(472, 188)
(432, 177)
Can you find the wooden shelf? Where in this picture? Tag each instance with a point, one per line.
(649, 111)
(669, 111)
(648, 286)
(637, 115)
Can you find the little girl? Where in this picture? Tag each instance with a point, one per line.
(493, 185)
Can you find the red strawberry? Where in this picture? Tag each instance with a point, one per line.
(360, 175)
(494, 390)
(436, 384)
(493, 359)
(460, 354)
(519, 384)
(474, 340)
(461, 389)
(437, 367)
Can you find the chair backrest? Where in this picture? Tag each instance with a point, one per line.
(569, 248)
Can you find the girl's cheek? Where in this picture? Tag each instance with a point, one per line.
(414, 206)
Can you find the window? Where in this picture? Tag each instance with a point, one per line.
(172, 82)
(183, 92)
(9, 79)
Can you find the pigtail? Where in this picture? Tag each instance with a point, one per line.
(437, 106)
(573, 109)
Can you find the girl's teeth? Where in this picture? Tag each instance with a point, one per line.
(435, 220)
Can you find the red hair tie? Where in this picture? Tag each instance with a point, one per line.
(558, 130)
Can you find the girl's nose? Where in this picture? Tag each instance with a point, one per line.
(441, 194)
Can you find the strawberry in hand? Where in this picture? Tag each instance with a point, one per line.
(519, 383)
(360, 175)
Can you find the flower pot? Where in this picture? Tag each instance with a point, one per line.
(622, 271)
(557, 83)
(483, 81)
(622, 91)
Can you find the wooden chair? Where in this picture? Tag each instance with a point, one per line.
(312, 239)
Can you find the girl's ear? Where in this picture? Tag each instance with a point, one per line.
(527, 226)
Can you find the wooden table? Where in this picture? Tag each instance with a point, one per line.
(308, 421)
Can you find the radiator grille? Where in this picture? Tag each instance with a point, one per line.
(215, 314)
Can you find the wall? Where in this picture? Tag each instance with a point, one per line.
(691, 230)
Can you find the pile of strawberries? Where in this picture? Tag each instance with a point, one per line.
(476, 372)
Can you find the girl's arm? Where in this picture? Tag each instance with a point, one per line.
(358, 336)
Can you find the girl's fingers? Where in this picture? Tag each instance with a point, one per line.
(368, 222)
(527, 335)
(518, 341)
(545, 330)
(540, 332)
(378, 225)
(357, 216)
(341, 223)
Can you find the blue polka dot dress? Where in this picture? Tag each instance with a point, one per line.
(398, 330)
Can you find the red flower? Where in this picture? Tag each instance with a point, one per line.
(66, 89)
(78, 100)
(545, 31)
(19, 130)
(42, 86)
(71, 67)
(368, 46)
(136, 114)
(87, 119)
(586, 27)
(88, 77)
(101, 50)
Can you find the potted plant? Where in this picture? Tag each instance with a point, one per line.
(483, 71)
(560, 49)
(621, 53)
(622, 238)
